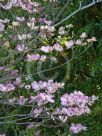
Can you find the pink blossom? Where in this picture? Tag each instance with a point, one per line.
(35, 85)
(83, 35)
(12, 100)
(35, 57)
(35, 4)
(62, 31)
(20, 47)
(46, 48)
(42, 98)
(69, 44)
(2, 88)
(20, 19)
(49, 98)
(93, 39)
(76, 104)
(24, 37)
(49, 86)
(46, 31)
(63, 118)
(18, 82)
(78, 42)
(9, 4)
(2, 68)
(37, 112)
(58, 47)
(21, 100)
(76, 128)
(8, 87)
(43, 58)
(77, 98)
(31, 7)
(48, 22)
(32, 57)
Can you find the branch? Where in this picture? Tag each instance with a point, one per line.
(78, 10)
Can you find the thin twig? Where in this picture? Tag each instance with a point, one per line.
(78, 10)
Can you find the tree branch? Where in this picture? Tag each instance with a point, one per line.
(78, 10)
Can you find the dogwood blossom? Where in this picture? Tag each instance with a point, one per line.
(49, 86)
(69, 44)
(76, 128)
(6, 88)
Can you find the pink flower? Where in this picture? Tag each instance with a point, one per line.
(43, 58)
(93, 39)
(20, 19)
(58, 47)
(9, 4)
(78, 42)
(42, 98)
(2, 88)
(2, 68)
(35, 85)
(12, 100)
(24, 37)
(83, 35)
(63, 118)
(21, 100)
(35, 4)
(69, 44)
(49, 86)
(76, 128)
(46, 48)
(28, 6)
(49, 98)
(9, 87)
(20, 47)
(18, 82)
(37, 112)
(32, 57)
(35, 57)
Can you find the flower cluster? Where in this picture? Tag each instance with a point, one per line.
(56, 47)
(24, 37)
(76, 128)
(50, 87)
(31, 7)
(75, 104)
(69, 44)
(6, 88)
(42, 99)
(36, 57)
(46, 30)
(33, 57)
(21, 48)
